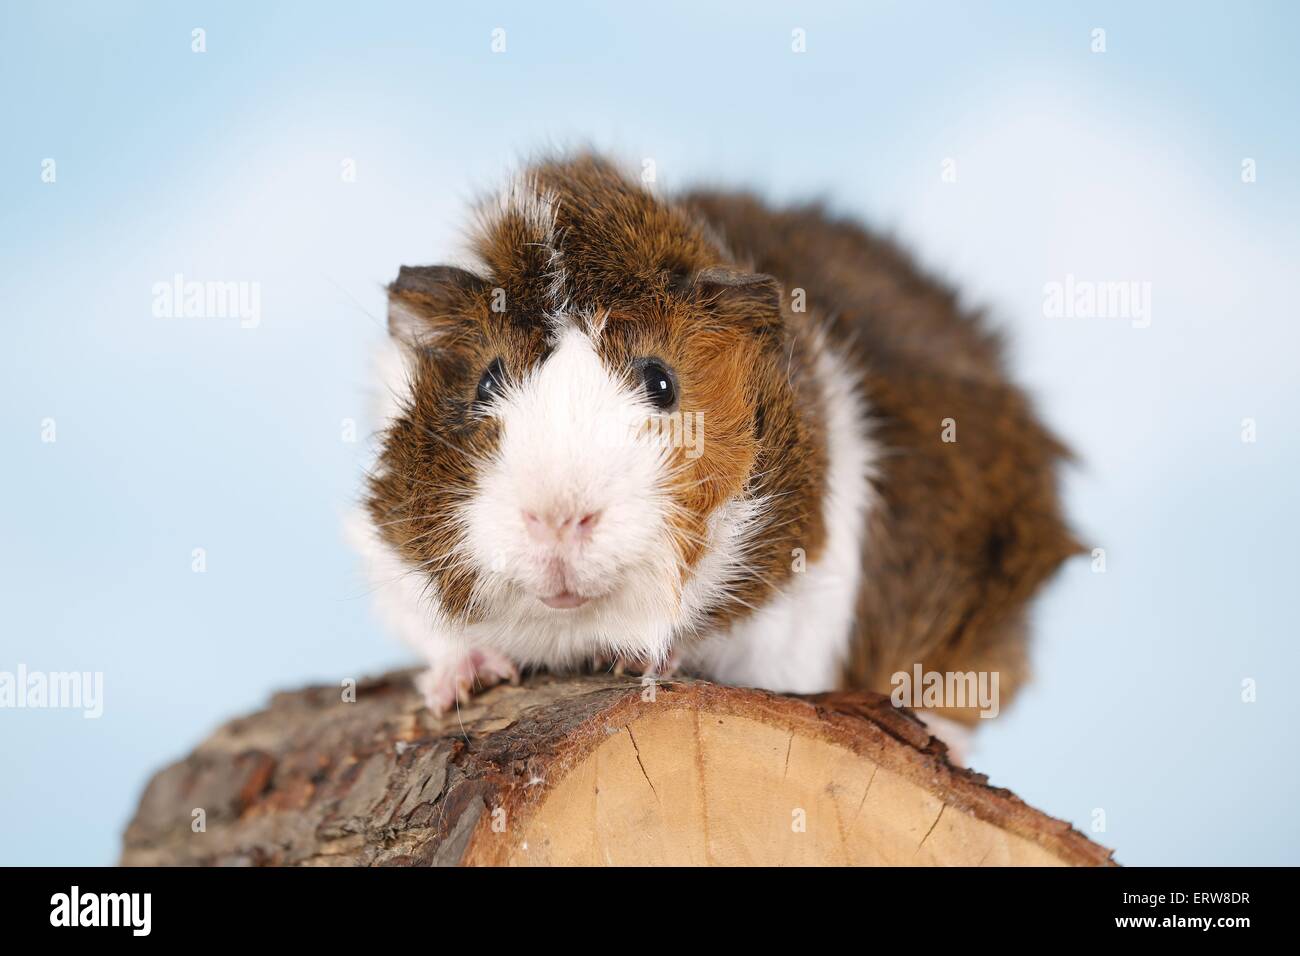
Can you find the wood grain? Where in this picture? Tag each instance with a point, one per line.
(591, 770)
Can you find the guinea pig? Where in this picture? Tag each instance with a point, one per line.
(756, 445)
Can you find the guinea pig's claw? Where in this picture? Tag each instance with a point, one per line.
(464, 690)
(642, 668)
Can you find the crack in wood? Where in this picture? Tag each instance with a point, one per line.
(863, 802)
(942, 807)
(640, 763)
(701, 788)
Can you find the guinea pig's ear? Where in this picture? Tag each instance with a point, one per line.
(751, 298)
(424, 298)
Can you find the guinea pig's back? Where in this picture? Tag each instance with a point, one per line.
(968, 523)
(865, 285)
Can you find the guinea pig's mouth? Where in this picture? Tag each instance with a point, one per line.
(565, 600)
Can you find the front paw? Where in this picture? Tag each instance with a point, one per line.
(456, 679)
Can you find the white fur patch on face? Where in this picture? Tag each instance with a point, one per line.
(569, 450)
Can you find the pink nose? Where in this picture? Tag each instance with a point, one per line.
(560, 529)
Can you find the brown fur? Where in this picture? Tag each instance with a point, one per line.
(962, 534)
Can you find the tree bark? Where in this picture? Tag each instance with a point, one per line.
(584, 770)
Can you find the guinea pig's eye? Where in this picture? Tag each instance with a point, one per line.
(659, 382)
(490, 385)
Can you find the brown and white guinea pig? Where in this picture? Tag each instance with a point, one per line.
(700, 433)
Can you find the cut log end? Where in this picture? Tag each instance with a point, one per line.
(585, 771)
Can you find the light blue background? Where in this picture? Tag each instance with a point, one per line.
(177, 434)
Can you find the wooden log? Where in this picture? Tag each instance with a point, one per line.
(584, 770)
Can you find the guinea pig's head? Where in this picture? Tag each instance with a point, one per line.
(596, 424)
